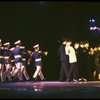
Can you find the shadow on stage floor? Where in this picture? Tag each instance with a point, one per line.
(50, 89)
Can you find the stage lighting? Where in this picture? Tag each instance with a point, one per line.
(91, 28)
(92, 20)
(95, 28)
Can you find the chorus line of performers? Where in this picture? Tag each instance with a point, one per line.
(13, 62)
(79, 62)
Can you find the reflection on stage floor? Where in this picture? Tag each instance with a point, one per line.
(50, 89)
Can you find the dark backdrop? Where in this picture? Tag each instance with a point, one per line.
(46, 23)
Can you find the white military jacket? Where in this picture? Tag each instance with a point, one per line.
(70, 51)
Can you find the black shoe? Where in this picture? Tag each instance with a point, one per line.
(43, 80)
(21, 80)
(12, 77)
(28, 80)
(60, 80)
(34, 79)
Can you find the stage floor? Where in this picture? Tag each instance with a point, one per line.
(50, 89)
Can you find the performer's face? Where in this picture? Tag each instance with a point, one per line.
(64, 42)
(37, 48)
(69, 43)
(99, 48)
(76, 45)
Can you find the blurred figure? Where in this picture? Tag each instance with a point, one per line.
(81, 62)
(92, 64)
(64, 59)
(97, 62)
(23, 68)
(17, 51)
(73, 70)
(2, 76)
(87, 67)
(78, 56)
(37, 56)
(7, 60)
(12, 62)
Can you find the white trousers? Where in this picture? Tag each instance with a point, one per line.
(24, 72)
(18, 70)
(38, 72)
(7, 71)
(2, 76)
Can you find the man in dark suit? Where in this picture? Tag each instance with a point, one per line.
(64, 59)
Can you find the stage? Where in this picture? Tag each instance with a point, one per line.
(50, 89)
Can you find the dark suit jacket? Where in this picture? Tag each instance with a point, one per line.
(61, 53)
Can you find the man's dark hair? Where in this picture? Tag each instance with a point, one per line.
(66, 39)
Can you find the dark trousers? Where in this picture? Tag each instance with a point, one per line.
(64, 70)
(73, 71)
